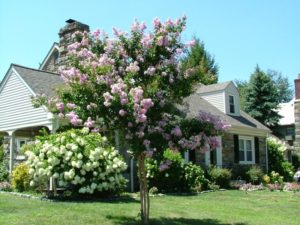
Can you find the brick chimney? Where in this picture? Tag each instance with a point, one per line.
(66, 38)
(297, 115)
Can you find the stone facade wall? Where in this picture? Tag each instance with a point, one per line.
(52, 63)
(228, 152)
(297, 126)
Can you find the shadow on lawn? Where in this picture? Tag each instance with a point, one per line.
(89, 199)
(124, 220)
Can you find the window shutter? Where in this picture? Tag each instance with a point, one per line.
(236, 148)
(256, 145)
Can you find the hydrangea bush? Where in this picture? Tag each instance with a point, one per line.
(79, 160)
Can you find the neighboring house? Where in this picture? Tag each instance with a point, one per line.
(243, 143)
(286, 129)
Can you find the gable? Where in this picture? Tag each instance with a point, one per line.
(16, 110)
(50, 62)
(232, 92)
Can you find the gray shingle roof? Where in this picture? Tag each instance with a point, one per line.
(193, 104)
(212, 87)
(41, 82)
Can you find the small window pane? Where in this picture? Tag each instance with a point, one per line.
(248, 145)
(231, 104)
(249, 155)
(241, 145)
(241, 156)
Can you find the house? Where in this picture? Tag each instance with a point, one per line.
(289, 124)
(244, 143)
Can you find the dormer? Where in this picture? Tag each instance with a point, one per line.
(224, 96)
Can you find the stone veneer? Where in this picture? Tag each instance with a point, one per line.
(228, 152)
(297, 115)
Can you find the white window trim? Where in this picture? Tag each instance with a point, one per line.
(245, 152)
(234, 104)
(18, 140)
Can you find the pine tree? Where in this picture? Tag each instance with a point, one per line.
(262, 98)
(202, 63)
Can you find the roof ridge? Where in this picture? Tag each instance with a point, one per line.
(43, 71)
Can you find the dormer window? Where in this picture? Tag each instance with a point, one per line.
(231, 104)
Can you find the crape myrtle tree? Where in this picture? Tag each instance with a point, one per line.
(129, 84)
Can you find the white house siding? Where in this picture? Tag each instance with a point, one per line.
(217, 99)
(16, 110)
(232, 90)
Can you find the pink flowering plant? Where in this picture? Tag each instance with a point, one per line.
(130, 83)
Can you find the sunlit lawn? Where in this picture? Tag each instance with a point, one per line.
(217, 208)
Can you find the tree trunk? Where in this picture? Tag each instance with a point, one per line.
(144, 194)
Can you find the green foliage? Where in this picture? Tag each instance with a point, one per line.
(21, 177)
(4, 174)
(296, 159)
(277, 161)
(2, 154)
(194, 178)
(178, 177)
(220, 176)
(239, 172)
(262, 98)
(275, 178)
(284, 88)
(255, 174)
(201, 63)
(168, 180)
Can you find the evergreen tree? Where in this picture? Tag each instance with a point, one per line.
(285, 92)
(262, 98)
(202, 63)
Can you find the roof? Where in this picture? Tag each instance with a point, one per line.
(212, 87)
(286, 110)
(39, 81)
(193, 104)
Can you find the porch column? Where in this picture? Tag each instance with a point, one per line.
(11, 150)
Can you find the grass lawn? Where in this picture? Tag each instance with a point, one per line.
(216, 208)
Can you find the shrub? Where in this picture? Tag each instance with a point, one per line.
(2, 153)
(239, 172)
(266, 179)
(4, 174)
(275, 178)
(82, 162)
(167, 179)
(255, 174)
(296, 159)
(220, 176)
(194, 178)
(21, 178)
(277, 161)
(5, 186)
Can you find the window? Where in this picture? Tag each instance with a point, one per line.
(20, 143)
(246, 150)
(231, 104)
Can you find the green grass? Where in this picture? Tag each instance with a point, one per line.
(217, 208)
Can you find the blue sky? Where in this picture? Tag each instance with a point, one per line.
(238, 33)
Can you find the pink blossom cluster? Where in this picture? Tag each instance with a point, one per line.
(74, 118)
(73, 75)
(217, 122)
(164, 165)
